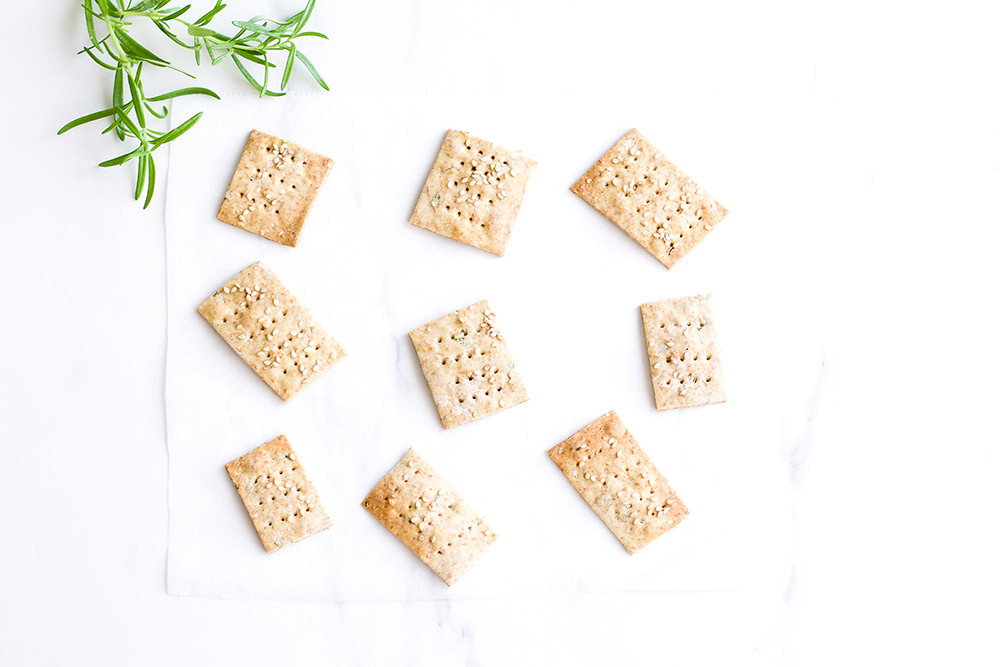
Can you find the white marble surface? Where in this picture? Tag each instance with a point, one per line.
(856, 146)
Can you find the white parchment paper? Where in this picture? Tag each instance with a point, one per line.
(567, 298)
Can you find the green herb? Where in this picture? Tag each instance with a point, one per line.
(256, 45)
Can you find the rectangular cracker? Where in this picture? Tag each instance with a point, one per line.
(281, 500)
(652, 200)
(468, 365)
(473, 192)
(683, 348)
(270, 330)
(619, 482)
(273, 188)
(429, 516)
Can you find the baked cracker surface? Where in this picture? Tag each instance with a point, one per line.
(473, 192)
(607, 467)
(274, 187)
(271, 330)
(650, 198)
(428, 515)
(276, 492)
(683, 348)
(468, 365)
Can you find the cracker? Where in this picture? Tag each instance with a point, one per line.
(619, 482)
(274, 187)
(270, 330)
(473, 192)
(281, 500)
(426, 513)
(683, 348)
(468, 365)
(652, 200)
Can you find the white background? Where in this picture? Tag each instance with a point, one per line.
(858, 144)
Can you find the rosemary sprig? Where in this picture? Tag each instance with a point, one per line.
(255, 44)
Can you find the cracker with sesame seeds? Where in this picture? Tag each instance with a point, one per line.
(652, 200)
(270, 330)
(274, 187)
(468, 365)
(281, 500)
(619, 482)
(683, 348)
(473, 192)
(428, 515)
